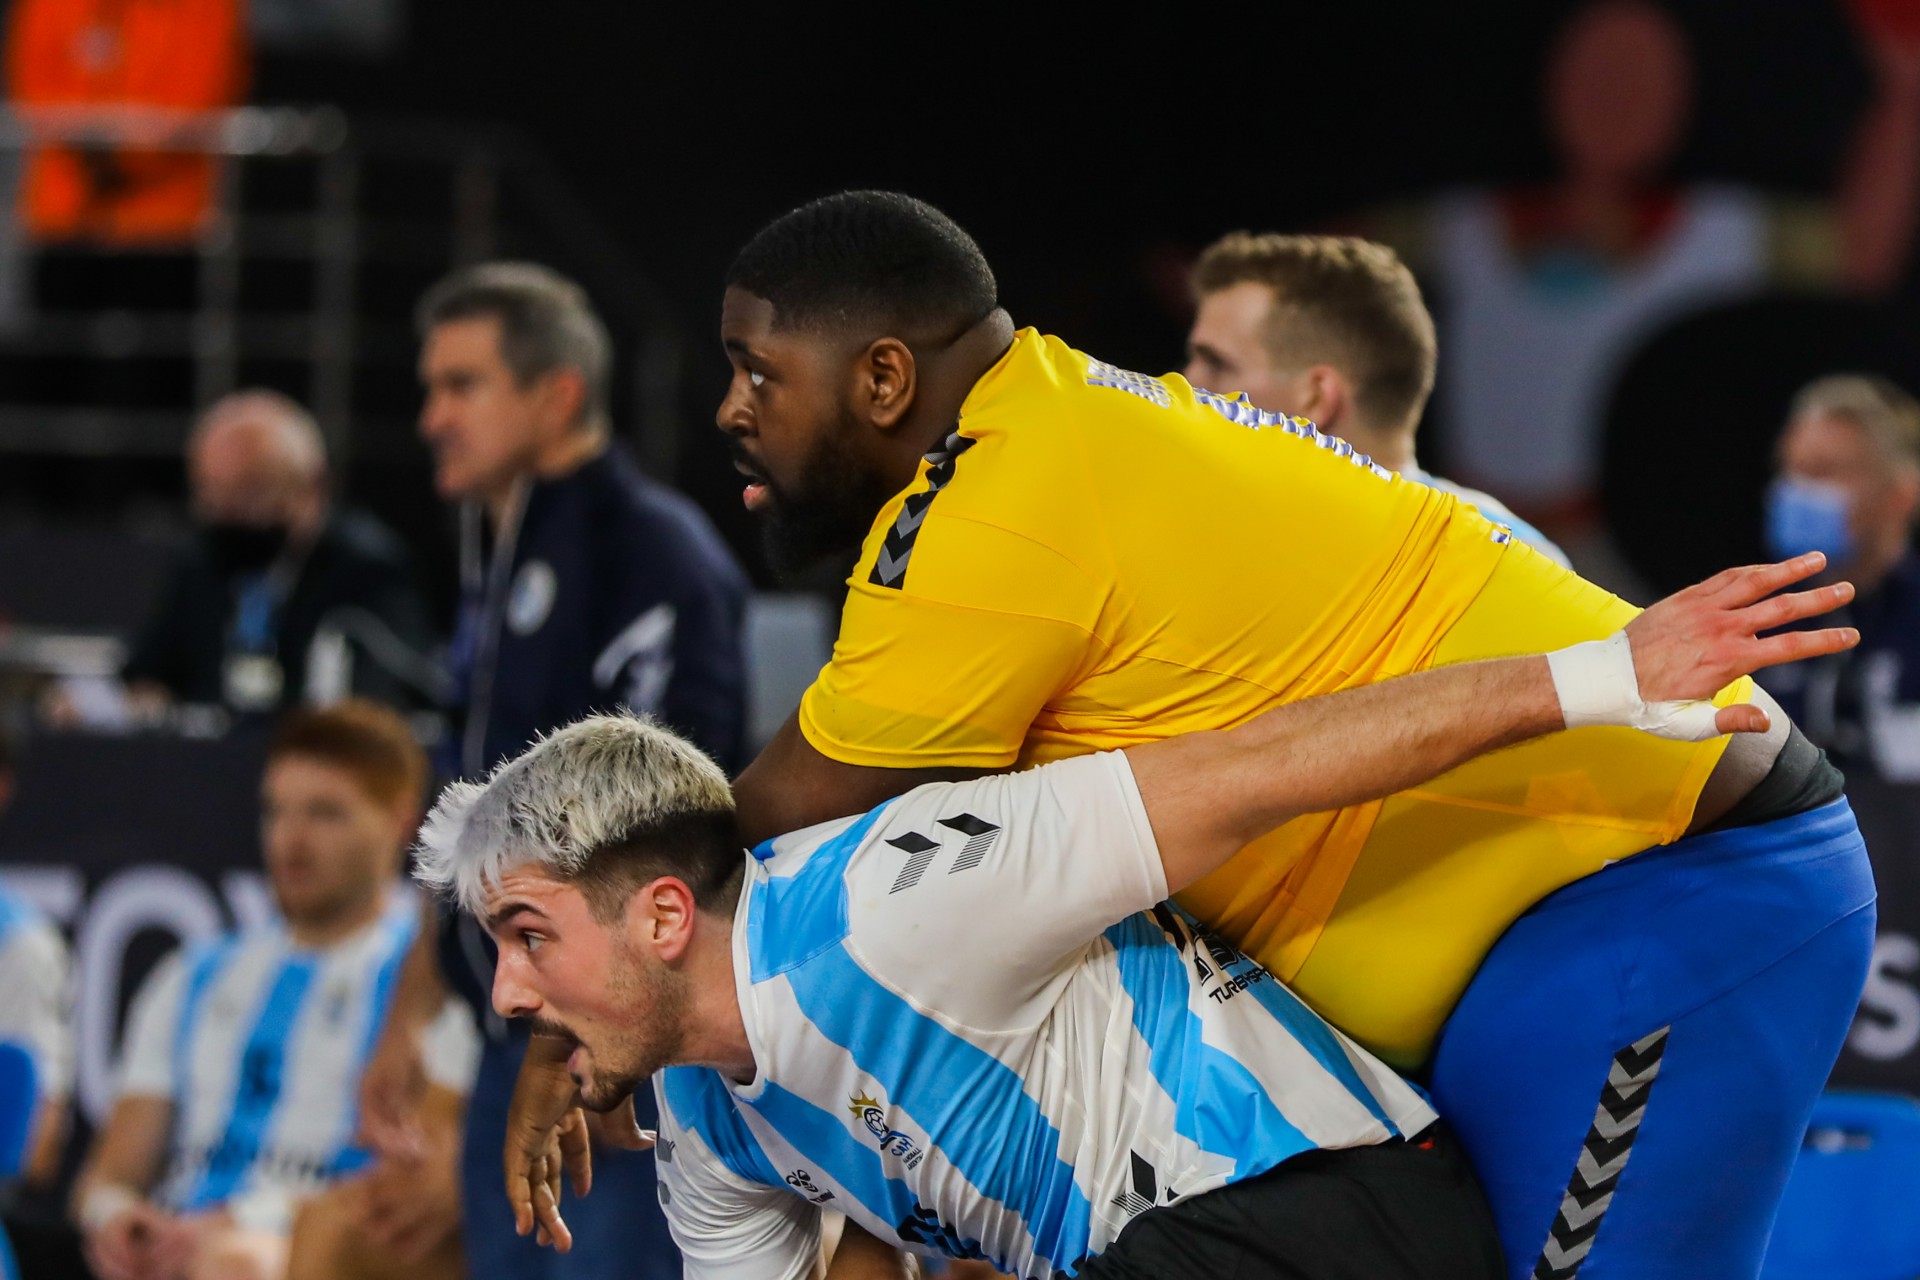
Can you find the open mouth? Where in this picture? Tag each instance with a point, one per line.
(756, 491)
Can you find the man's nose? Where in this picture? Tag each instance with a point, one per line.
(512, 997)
(433, 418)
(732, 416)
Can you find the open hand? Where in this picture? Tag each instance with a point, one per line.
(1696, 641)
(546, 1139)
(391, 1090)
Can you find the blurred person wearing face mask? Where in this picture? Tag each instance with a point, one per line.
(231, 1137)
(1848, 484)
(282, 597)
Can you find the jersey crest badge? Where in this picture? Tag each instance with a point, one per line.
(870, 1113)
(531, 598)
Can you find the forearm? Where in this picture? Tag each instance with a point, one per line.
(1221, 791)
(421, 993)
(49, 1140)
(1366, 743)
(99, 1194)
(129, 1149)
(790, 786)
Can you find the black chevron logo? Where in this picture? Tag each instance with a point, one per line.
(919, 851)
(980, 836)
(1587, 1197)
(1604, 1149)
(1603, 1157)
(1145, 1190)
(1620, 1107)
(896, 549)
(1637, 1063)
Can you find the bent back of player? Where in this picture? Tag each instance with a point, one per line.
(1061, 556)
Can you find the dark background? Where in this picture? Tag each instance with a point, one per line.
(1091, 150)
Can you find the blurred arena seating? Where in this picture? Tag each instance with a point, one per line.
(325, 231)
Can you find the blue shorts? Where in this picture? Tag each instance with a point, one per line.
(1633, 1068)
(619, 1231)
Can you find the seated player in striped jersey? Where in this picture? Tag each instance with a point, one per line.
(971, 1021)
(36, 1011)
(236, 1105)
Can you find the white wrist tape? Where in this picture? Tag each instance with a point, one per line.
(104, 1202)
(1597, 686)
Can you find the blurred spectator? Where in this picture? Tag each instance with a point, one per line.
(1329, 328)
(181, 54)
(1849, 485)
(35, 1005)
(1544, 290)
(281, 597)
(243, 1055)
(585, 587)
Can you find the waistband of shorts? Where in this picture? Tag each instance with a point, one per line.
(1818, 835)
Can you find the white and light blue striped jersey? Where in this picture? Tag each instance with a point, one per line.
(980, 1032)
(35, 1006)
(260, 1045)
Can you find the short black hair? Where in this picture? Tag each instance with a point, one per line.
(876, 261)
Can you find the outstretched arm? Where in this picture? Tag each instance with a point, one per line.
(1209, 794)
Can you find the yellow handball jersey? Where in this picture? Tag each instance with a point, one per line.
(1095, 559)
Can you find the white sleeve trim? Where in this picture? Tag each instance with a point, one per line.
(451, 1048)
(36, 1013)
(728, 1228)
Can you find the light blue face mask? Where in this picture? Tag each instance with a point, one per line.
(1809, 515)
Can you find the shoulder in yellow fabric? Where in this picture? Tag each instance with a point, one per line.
(1095, 558)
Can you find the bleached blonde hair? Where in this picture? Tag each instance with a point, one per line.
(602, 782)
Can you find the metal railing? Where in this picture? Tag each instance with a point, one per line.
(333, 334)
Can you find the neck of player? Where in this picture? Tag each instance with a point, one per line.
(946, 377)
(716, 1030)
(322, 928)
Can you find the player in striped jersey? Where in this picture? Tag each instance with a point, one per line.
(969, 1019)
(35, 1015)
(237, 1101)
(35, 1009)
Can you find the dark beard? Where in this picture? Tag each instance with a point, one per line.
(654, 1040)
(827, 513)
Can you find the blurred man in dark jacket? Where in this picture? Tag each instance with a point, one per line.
(585, 587)
(281, 597)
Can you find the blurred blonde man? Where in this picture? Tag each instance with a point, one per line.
(238, 1097)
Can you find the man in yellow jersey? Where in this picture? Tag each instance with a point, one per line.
(1061, 557)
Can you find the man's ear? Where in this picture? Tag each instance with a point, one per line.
(888, 381)
(660, 918)
(1906, 496)
(563, 398)
(1331, 399)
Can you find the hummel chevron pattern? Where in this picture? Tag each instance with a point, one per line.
(1623, 1102)
(1144, 1192)
(980, 836)
(919, 851)
(890, 566)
